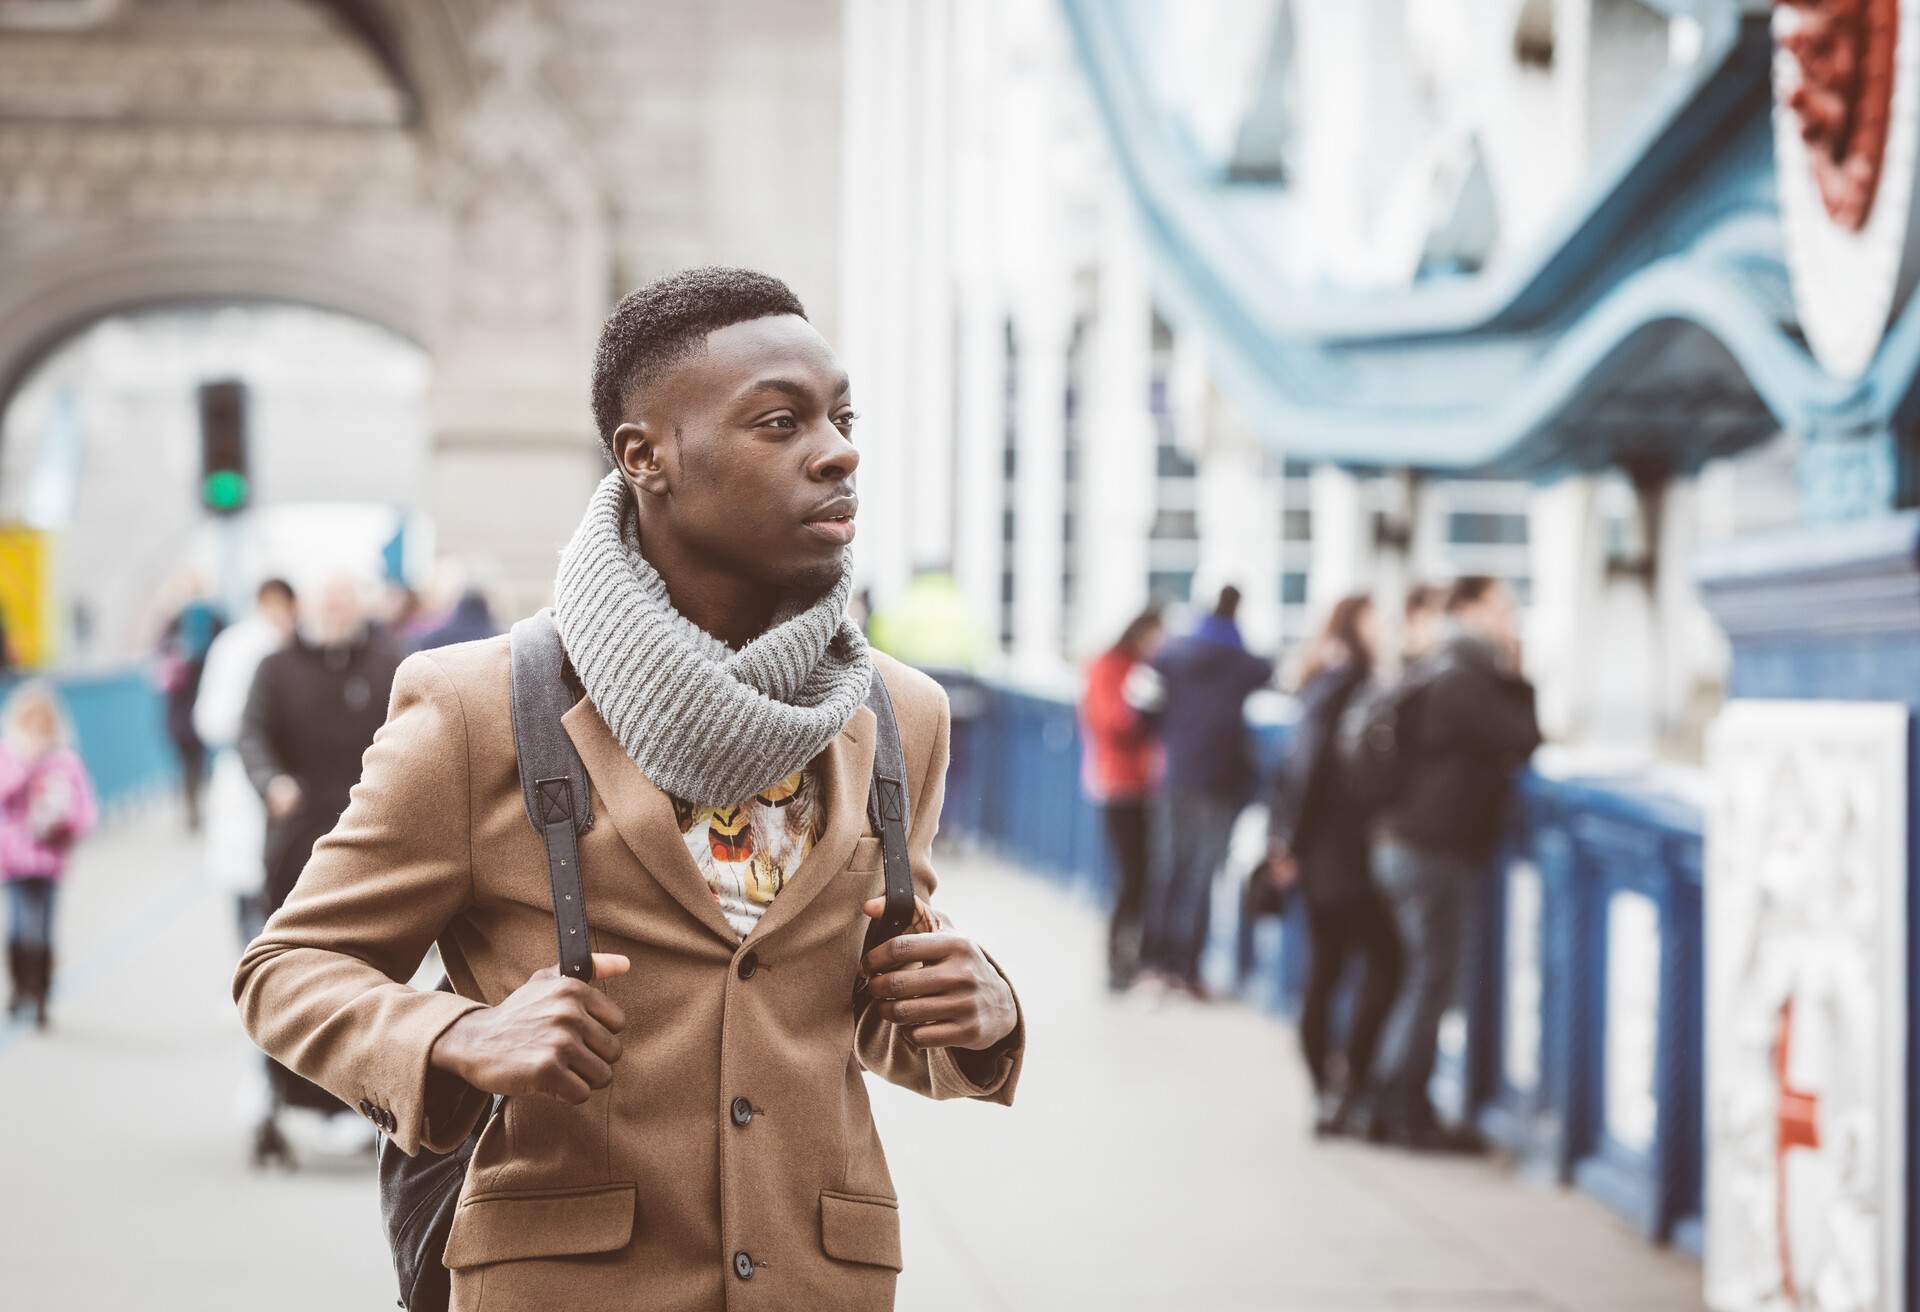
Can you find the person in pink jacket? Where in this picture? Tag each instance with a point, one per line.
(46, 806)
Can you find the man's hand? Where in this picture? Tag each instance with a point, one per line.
(937, 983)
(552, 1036)
(283, 796)
(1281, 870)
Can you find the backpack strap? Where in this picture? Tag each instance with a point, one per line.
(887, 813)
(552, 778)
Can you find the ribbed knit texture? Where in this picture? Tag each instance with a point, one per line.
(708, 724)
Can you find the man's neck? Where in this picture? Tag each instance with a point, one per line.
(731, 608)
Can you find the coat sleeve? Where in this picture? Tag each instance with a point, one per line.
(883, 1048)
(323, 989)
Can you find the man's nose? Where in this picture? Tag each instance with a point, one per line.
(837, 460)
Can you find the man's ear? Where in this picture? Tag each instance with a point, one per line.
(639, 455)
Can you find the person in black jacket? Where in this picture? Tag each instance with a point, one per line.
(1320, 838)
(1469, 728)
(310, 715)
(1210, 776)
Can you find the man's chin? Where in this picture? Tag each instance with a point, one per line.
(815, 576)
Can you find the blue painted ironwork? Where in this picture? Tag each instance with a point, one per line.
(1588, 841)
(1652, 325)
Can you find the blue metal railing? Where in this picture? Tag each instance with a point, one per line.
(1582, 1039)
(119, 722)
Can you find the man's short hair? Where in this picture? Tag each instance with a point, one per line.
(274, 587)
(668, 320)
(1422, 597)
(1469, 590)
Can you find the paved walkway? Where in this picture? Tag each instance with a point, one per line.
(1156, 1161)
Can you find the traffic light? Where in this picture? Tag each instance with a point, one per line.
(223, 446)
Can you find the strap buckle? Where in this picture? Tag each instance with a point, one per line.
(554, 798)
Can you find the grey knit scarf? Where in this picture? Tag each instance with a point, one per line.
(708, 724)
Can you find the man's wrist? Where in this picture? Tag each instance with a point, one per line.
(448, 1054)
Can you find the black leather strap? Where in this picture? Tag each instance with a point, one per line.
(553, 780)
(887, 813)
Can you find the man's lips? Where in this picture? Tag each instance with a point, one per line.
(837, 530)
(834, 521)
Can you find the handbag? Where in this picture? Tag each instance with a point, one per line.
(420, 1194)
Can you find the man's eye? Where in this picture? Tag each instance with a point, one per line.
(785, 422)
(846, 421)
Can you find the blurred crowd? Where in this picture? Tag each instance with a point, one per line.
(270, 715)
(1383, 816)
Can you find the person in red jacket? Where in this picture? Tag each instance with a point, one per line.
(1121, 766)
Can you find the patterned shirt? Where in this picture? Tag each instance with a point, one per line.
(747, 852)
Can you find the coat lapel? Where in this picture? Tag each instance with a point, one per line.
(843, 770)
(643, 816)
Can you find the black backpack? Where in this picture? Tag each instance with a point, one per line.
(419, 1194)
(1374, 746)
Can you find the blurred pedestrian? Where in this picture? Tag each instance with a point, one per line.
(46, 806)
(310, 715)
(182, 659)
(1467, 727)
(1320, 835)
(1423, 622)
(1120, 761)
(1206, 677)
(470, 620)
(236, 820)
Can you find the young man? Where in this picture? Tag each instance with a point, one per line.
(691, 1131)
(1473, 728)
(1211, 772)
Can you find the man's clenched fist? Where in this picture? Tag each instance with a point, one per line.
(552, 1036)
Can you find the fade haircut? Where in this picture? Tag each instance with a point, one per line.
(668, 320)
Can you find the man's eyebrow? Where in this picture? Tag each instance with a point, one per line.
(789, 387)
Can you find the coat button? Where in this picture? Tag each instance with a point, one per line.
(742, 1111)
(749, 962)
(743, 1265)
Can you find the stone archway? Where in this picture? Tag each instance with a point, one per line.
(393, 159)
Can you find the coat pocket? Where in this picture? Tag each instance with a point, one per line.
(860, 1228)
(504, 1226)
(866, 856)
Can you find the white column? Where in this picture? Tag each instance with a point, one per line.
(1342, 539)
(1564, 552)
(1040, 328)
(980, 425)
(925, 417)
(1116, 482)
(1239, 512)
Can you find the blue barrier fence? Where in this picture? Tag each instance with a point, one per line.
(119, 721)
(1581, 1044)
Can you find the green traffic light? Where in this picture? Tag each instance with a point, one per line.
(224, 489)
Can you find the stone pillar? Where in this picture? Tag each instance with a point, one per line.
(524, 277)
(1810, 1057)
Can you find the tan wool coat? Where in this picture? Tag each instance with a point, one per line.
(653, 1194)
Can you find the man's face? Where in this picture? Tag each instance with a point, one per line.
(1492, 617)
(744, 453)
(337, 613)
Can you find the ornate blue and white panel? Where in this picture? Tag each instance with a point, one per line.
(1806, 1011)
